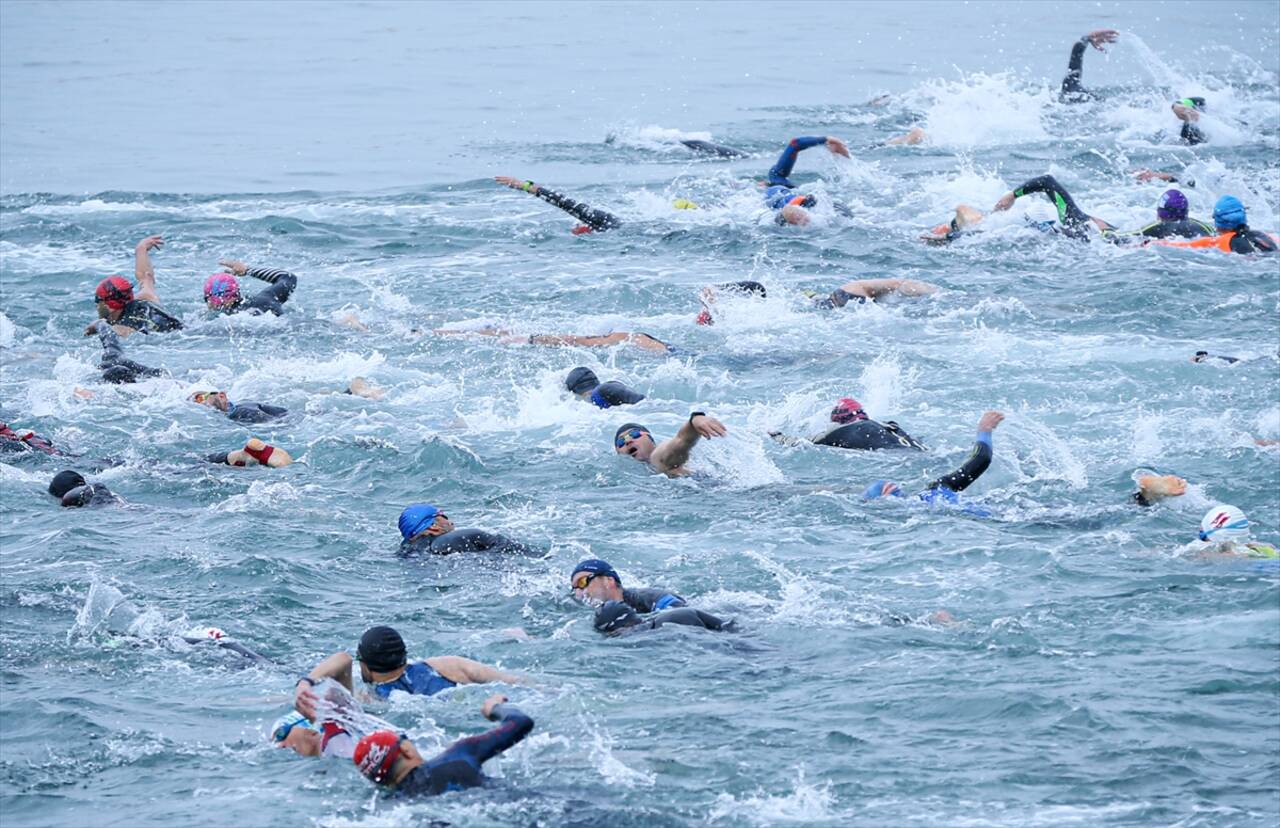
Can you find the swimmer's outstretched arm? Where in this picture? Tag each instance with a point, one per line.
(478, 749)
(673, 453)
(282, 281)
(590, 216)
(143, 272)
(874, 289)
(781, 169)
(1071, 88)
(977, 461)
(461, 670)
(336, 667)
(1069, 213)
(112, 350)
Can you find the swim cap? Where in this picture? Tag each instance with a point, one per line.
(65, 481)
(847, 410)
(1196, 103)
(614, 616)
(221, 290)
(704, 317)
(628, 427)
(876, 489)
(382, 649)
(580, 229)
(416, 518)
(581, 380)
(1172, 206)
(684, 204)
(1228, 213)
(375, 754)
(116, 291)
(280, 729)
(615, 393)
(596, 567)
(1224, 523)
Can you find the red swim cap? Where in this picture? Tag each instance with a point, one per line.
(580, 229)
(704, 318)
(115, 291)
(375, 754)
(847, 410)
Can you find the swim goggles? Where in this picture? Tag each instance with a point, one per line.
(1235, 524)
(201, 396)
(634, 434)
(284, 728)
(581, 580)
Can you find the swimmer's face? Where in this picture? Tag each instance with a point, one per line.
(104, 312)
(599, 589)
(303, 741)
(639, 447)
(795, 215)
(214, 399)
(441, 526)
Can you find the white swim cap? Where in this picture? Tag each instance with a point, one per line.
(1224, 523)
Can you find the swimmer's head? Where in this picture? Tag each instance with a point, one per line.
(423, 519)
(581, 381)
(847, 410)
(65, 481)
(684, 204)
(794, 212)
(213, 399)
(595, 580)
(294, 731)
(881, 488)
(1224, 523)
(1172, 206)
(381, 650)
(1195, 102)
(376, 755)
(580, 230)
(112, 293)
(1228, 213)
(634, 440)
(221, 290)
(614, 617)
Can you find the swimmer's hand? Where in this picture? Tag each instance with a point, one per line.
(304, 701)
(516, 184)
(1158, 487)
(707, 426)
(1005, 202)
(1145, 175)
(150, 243)
(493, 701)
(990, 420)
(837, 147)
(1101, 37)
(236, 267)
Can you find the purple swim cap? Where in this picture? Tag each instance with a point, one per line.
(1172, 206)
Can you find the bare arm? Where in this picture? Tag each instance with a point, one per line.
(143, 272)
(672, 454)
(875, 288)
(465, 671)
(336, 667)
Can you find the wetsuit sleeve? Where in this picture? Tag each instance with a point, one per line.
(1251, 241)
(476, 750)
(282, 281)
(1071, 87)
(595, 219)
(1069, 213)
(1139, 498)
(973, 467)
(112, 351)
(779, 172)
(689, 617)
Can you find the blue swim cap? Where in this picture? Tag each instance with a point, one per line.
(416, 518)
(596, 567)
(1228, 213)
(873, 491)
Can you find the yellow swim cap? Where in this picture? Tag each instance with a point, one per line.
(684, 204)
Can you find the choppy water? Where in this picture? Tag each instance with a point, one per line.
(1096, 676)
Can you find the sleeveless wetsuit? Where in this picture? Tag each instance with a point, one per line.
(463, 540)
(418, 679)
(458, 766)
(869, 434)
(147, 317)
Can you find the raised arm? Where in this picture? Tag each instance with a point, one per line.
(977, 461)
(673, 453)
(1071, 88)
(461, 670)
(336, 667)
(515, 725)
(779, 172)
(143, 272)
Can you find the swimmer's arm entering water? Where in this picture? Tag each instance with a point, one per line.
(977, 461)
(781, 170)
(671, 455)
(591, 217)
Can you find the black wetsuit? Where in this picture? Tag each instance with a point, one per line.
(90, 494)
(718, 150)
(147, 317)
(1252, 241)
(252, 412)
(1191, 134)
(974, 465)
(869, 434)
(1074, 222)
(238, 649)
(458, 766)
(619, 618)
(1072, 91)
(463, 540)
(12, 442)
(597, 220)
(1187, 228)
(273, 298)
(651, 599)
(115, 368)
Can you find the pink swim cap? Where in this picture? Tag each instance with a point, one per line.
(221, 290)
(847, 410)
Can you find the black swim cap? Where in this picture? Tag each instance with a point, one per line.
(382, 649)
(615, 393)
(65, 481)
(614, 616)
(581, 380)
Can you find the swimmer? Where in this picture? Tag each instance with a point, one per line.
(115, 368)
(946, 490)
(71, 489)
(643, 341)
(1072, 221)
(616, 618)
(390, 760)
(708, 148)
(385, 667)
(425, 530)
(1214, 359)
(361, 387)
(1144, 175)
(595, 582)
(583, 383)
(244, 412)
(1171, 221)
(780, 194)
(593, 220)
(222, 290)
(852, 429)
(295, 732)
(1224, 531)
(1171, 214)
(21, 442)
(108, 610)
(861, 291)
(254, 453)
(1188, 111)
(1233, 233)
(1153, 488)
(1072, 91)
(669, 456)
(710, 293)
(127, 312)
